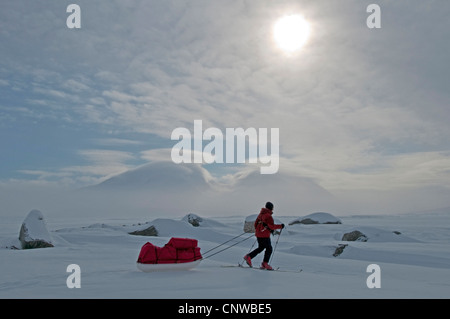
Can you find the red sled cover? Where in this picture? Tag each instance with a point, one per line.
(182, 243)
(148, 254)
(177, 250)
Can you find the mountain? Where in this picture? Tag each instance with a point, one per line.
(154, 189)
(166, 176)
(166, 187)
(290, 194)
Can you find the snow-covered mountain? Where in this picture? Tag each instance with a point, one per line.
(184, 188)
(291, 194)
(160, 176)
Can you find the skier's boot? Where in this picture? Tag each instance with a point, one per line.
(248, 260)
(266, 266)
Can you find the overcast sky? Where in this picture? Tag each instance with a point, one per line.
(358, 109)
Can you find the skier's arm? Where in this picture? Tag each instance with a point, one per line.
(269, 223)
(275, 226)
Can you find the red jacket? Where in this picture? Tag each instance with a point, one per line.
(264, 224)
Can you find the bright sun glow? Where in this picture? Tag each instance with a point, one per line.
(291, 32)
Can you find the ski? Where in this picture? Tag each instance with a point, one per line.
(257, 268)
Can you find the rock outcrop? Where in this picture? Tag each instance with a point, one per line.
(148, 231)
(193, 219)
(316, 218)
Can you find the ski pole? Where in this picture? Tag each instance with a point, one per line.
(276, 243)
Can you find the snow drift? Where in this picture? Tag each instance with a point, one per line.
(412, 252)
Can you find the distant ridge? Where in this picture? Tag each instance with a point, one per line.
(184, 188)
(160, 176)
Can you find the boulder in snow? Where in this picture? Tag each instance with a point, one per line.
(355, 235)
(339, 249)
(317, 218)
(249, 223)
(33, 232)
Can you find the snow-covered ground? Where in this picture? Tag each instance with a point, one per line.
(412, 264)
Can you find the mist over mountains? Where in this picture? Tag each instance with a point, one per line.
(165, 187)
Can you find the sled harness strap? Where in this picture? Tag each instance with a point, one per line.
(228, 247)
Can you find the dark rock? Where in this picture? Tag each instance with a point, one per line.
(305, 221)
(339, 250)
(316, 218)
(355, 235)
(193, 219)
(149, 231)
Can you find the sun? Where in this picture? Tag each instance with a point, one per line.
(291, 32)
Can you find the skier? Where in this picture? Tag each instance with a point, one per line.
(264, 226)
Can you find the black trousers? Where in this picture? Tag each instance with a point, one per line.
(263, 243)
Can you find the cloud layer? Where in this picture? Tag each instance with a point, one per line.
(358, 110)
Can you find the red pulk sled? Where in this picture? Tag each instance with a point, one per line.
(177, 254)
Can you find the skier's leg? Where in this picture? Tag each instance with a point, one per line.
(269, 249)
(260, 248)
